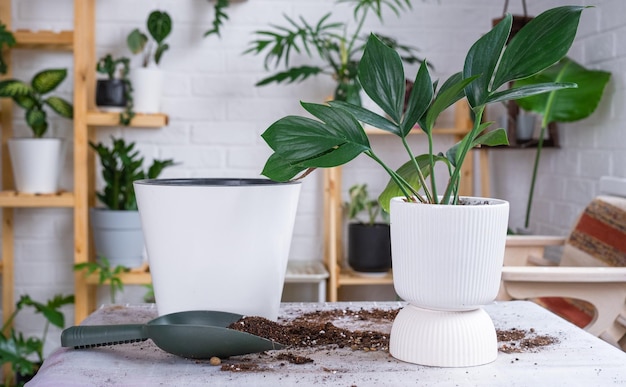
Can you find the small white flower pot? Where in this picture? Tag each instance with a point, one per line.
(147, 85)
(218, 244)
(447, 263)
(37, 164)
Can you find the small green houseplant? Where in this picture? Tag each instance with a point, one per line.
(33, 98)
(369, 243)
(331, 41)
(7, 40)
(30, 155)
(159, 26)
(117, 228)
(567, 105)
(446, 257)
(106, 274)
(116, 90)
(121, 166)
(147, 80)
(25, 354)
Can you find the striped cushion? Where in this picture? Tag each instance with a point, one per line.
(598, 239)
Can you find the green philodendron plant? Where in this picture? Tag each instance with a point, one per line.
(331, 41)
(121, 166)
(159, 26)
(32, 98)
(566, 105)
(301, 144)
(119, 69)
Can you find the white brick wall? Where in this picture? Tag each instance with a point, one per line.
(216, 113)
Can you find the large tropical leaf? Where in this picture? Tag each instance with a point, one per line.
(367, 116)
(539, 44)
(48, 80)
(419, 99)
(566, 105)
(279, 169)
(334, 140)
(382, 76)
(481, 61)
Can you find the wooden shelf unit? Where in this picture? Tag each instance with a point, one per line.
(80, 41)
(340, 274)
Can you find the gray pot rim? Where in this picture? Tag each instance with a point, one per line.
(214, 182)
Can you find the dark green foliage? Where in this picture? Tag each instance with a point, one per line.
(25, 354)
(106, 273)
(6, 40)
(219, 18)
(121, 166)
(119, 68)
(159, 26)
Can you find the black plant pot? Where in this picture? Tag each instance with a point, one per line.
(110, 93)
(369, 247)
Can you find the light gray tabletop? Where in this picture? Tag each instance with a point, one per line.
(575, 359)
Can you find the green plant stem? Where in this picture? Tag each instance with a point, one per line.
(402, 184)
(453, 184)
(356, 33)
(420, 176)
(431, 160)
(534, 177)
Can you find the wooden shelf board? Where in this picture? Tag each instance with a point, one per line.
(348, 277)
(130, 278)
(17, 199)
(451, 131)
(100, 118)
(44, 39)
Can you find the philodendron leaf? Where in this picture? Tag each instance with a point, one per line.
(481, 61)
(419, 99)
(279, 169)
(539, 44)
(525, 91)
(48, 80)
(566, 105)
(136, 41)
(382, 76)
(159, 25)
(367, 117)
(409, 174)
(333, 141)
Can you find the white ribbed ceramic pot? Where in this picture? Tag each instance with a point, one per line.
(447, 263)
(218, 244)
(448, 257)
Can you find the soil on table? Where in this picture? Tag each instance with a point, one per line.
(319, 329)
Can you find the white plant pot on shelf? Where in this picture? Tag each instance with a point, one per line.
(37, 164)
(218, 244)
(447, 263)
(147, 85)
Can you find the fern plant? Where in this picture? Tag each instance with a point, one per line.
(121, 166)
(333, 42)
(32, 98)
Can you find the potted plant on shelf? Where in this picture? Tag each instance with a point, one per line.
(37, 161)
(115, 92)
(7, 40)
(332, 42)
(106, 273)
(26, 354)
(117, 228)
(147, 80)
(369, 243)
(567, 105)
(447, 250)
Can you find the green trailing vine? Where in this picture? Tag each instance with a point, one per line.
(119, 68)
(219, 18)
